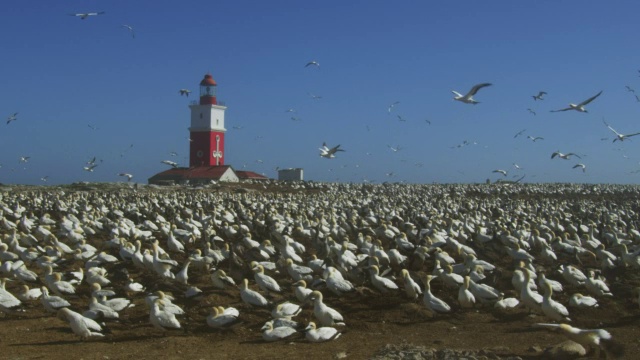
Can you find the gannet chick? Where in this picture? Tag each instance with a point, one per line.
(52, 303)
(251, 297)
(220, 280)
(217, 319)
(596, 339)
(80, 325)
(552, 308)
(265, 282)
(300, 290)
(465, 297)
(285, 310)
(430, 301)
(322, 334)
(379, 282)
(579, 300)
(326, 316)
(162, 319)
(279, 333)
(410, 286)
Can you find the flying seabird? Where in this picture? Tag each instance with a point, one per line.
(130, 28)
(629, 89)
(169, 162)
(315, 97)
(539, 96)
(583, 166)
(185, 92)
(315, 63)
(531, 111)
(580, 106)
(128, 176)
(503, 172)
(24, 159)
(468, 98)
(534, 139)
(44, 178)
(564, 156)
(327, 152)
(86, 15)
(519, 133)
(619, 136)
(90, 167)
(12, 117)
(392, 105)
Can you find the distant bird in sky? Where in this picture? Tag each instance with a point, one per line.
(519, 133)
(185, 92)
(427, 121)
(130, 28)
(629, 89)
(517, 167)
(92, 127)
(170, 163)
(637, 98)
(314, 63)
(534, 138)
(392, 106)
(580, 107)
(539, 96)
(173, 153)
(128, 176)
(90, 167)
(44, 178)
(12, 117)
(86, 15)
(25, 159)
(468, 98)
(290, 110)
(531, 111)
(92, 161)
(619, 136)
(564, 156)
(315, 97)
(583, 166)
(394, 149)
(503, 172)
(327, 152)
(293, 118)
(400, 118)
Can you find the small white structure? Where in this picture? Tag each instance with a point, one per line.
(291, 174)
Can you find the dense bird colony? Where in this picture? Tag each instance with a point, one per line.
(289, 254)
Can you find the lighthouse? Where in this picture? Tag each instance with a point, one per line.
(207, 130)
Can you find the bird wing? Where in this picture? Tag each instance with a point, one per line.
(634, 134)
(576, 155)
(475, 89)
(555, 154)
(456, 93)
(541, 93)
(565, 109)
(589, 99)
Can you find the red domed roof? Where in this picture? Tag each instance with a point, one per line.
(208, 80)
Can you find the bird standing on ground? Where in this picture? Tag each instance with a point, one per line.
(468, 98)
(579, 107)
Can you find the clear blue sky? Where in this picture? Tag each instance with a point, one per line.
(62, 74)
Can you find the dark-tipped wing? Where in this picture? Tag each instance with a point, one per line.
(590, 99)
(574, 154)
(565, 109)
(475, 89)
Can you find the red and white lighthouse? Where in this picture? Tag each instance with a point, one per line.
(207, 127)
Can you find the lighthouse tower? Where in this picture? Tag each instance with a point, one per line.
(207, 127)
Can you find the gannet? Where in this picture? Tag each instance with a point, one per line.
(519, 133)
(572, 275)
(52, 303)
(269, 333)
(532, 300)
(285, 310)
(596, 286)
(326, 316)
(564, 156)
(465, 297)
(220, 280)
(184, 92)
(251, 297)
(127, 175)
(579, 107)
(379, 282)
(596, 339)
(410, 286)
(86, 15)
(539, 96)
(534, 139)
(265, 282)
(300, 290)
(80, 325)
(25, 294)
(217, 319)
(329, 153)
(391, 106)
(12, 117)
(162, 319)
(322, 334)
(170, 163)
(579, 300)
(506, 303)
(336, 283)
(468, 98)
(503, 172)
(430, 301)
(619, 136)
(90, 167)
(551, 308)
(580, 165)
(313, 62)
(531, 111)
(130, 28)
(167, 305)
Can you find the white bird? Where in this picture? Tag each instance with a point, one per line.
(301, 291)
(410, 286)
(90, 167)
(468, 98)
(52, 303)
(580, 165)
(596, 286)
(551, 308)
(322, 334)
(80, 325)
(25, 294)
(12, 117)
(432, 302)
(185, 92)
(130, 28)
(217, 319)
(220, 279)
(564, 156)
(596, 339)
(170, 163)
(329, 153)
(251, 297)
(326, 315)
(392, 105)
(314, 63)
(619, 136)
(86, 15)
(127, 175)
(539, 96)
(285, 310)
(465, 297)
(580, 107)
(269, 333)
(503, 172)
(531, 111)
(265, 282)
(379, 282)
(162, 319)
(579, 300)
(534, 139)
